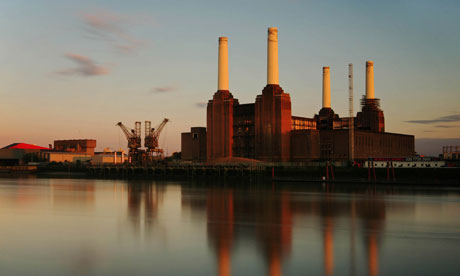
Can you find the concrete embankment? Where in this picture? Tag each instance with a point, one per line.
(450, 176)
(279, 173)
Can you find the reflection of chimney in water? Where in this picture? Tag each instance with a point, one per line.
(372, 212)
(220, 227)
(274, 268)
(328, 247)
(373, 255)
(352, 238)
(224, 261)
(283, 232)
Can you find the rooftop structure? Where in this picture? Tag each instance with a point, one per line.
(25, 146)
(77, 145)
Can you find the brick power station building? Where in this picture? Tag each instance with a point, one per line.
(267, 131)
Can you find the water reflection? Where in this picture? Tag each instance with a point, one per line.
(70, 193)
(95, 227)
(371, 211)
(220, 226)
(271, 215)
(143, 199)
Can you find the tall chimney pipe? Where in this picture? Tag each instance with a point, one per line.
(326, 88)
(272, 56)
(223, 64)
(370, 94)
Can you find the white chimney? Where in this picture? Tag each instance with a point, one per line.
(223, 64)
(370, 94)
(326, 88)
(272, 56)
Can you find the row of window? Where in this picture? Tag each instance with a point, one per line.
(244, 131)
(369, 142)
(298, 124)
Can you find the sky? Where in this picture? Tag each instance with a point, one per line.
(73, 69)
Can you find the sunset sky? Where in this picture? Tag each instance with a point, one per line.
(73, 69)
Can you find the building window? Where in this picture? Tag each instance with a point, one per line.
(195, 135)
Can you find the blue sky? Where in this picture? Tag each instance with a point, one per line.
(73, 69)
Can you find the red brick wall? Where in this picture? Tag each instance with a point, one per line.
(220, 125)
(334, 144)
(273, 125)
(81, 146)
(304, 145)
(193, 145)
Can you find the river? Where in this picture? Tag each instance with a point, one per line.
(121, 227)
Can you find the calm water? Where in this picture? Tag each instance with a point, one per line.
(107, 227)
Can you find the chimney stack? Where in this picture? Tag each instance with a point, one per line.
(370, 94)
(326, 88)
(272, 56)
(223, 64)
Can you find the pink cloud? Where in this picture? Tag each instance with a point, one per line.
(201, 104)
(163, 89)
(85, 67)
(111, 27)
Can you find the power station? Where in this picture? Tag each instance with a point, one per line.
(267, 131)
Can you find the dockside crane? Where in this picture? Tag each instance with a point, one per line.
(134, 141)
(152, 136)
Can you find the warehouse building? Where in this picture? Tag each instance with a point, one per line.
(21, 154)
(193, 145)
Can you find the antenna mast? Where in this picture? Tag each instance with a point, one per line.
(351, 144)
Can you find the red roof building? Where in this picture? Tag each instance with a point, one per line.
(24, 146)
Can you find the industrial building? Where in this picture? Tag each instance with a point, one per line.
(70, 151)
(193, 145)
(451, 153)
(63, 151)
(266, 130)
(78, 146)
(109, 157)
(21, 153)
(75, 150)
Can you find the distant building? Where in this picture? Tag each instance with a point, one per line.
(71, 157)
(193, 145)
(243, 131)
(405, 163)
(109, 157)
(78, 146)
(21, 153)
(451, 153)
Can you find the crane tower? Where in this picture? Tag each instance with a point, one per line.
(137, 155)
(134, 141)
(152, 136)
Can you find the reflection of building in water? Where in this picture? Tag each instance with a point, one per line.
(372, 213)
(68, 192)
(329, 208)
(148, 196)
(269, 212)
(270, 215)
(274, 231)
(328, 246)
(220, 214)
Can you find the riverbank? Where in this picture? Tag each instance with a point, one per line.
(279, 173)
